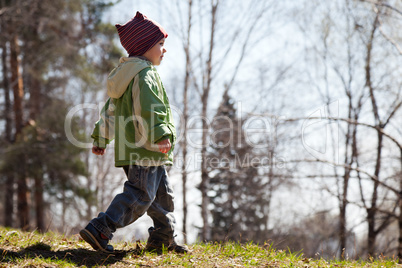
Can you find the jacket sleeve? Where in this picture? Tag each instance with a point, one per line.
(103, 132)
(153, 110)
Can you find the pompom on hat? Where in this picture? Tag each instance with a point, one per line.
(140, 34)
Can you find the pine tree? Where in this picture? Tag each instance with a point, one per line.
(238, 193)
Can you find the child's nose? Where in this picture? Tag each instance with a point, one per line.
(164, 50)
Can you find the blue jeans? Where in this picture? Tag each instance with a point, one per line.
(147, 189)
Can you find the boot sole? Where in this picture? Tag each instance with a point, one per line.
(90, 239)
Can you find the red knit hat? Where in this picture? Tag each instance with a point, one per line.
(140, 34)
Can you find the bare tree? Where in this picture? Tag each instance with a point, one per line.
(185, 117)
(360, 80)
(380, 122)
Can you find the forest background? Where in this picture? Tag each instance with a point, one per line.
(288, 112)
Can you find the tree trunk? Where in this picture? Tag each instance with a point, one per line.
(16, 83)
(34, 101)
(185, 120)
(371, 212)
(7, 101)
(184, 185)
(204, 186)
(39, 205)
(400, 212)
(344, 200)
(342, 222)
(9, 186)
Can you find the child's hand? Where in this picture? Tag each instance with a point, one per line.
(98, 151)
(164, 146)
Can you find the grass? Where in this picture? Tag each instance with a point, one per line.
(31, 249)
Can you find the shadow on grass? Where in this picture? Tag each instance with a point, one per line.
(74, 256)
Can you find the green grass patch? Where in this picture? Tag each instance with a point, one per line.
(31, 249)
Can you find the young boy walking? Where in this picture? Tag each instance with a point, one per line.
(138, 117)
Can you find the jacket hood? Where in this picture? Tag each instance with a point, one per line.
(121, 76)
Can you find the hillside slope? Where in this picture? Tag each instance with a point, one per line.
(30, 249)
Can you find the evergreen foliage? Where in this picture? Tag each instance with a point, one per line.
(237, 192)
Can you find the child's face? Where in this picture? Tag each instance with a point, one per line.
(155, 54)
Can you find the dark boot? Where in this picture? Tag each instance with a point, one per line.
(96, 239)
(156, 244)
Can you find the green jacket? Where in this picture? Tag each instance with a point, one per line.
(137, 115)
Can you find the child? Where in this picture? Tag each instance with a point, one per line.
(138, 116)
